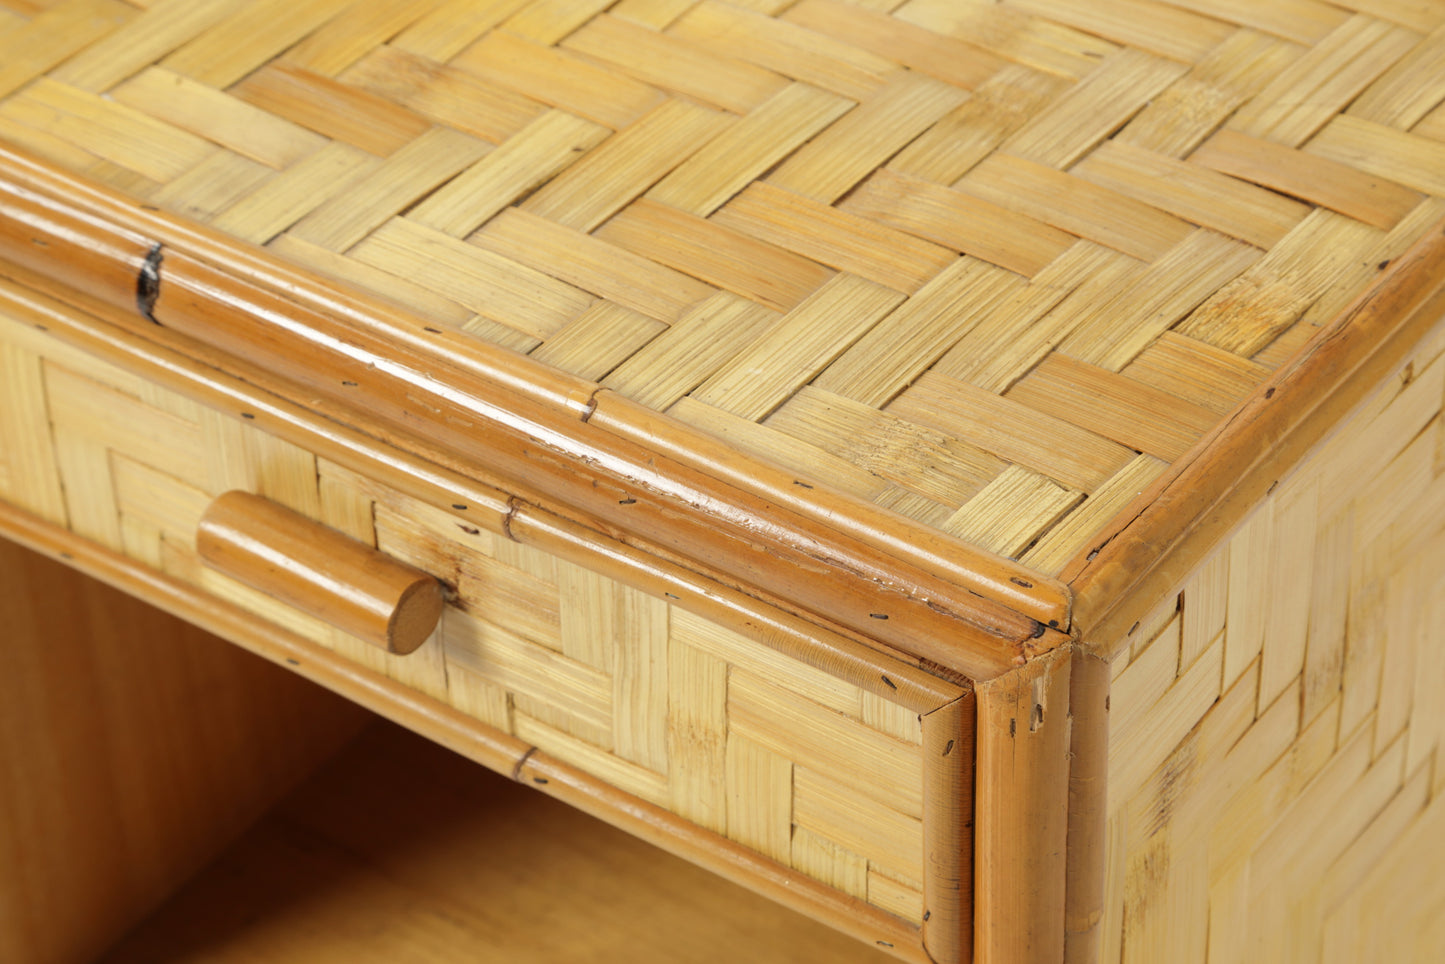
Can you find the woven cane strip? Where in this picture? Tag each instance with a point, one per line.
(1276, 728)
(838, 222)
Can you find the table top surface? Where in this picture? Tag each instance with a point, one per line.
(995, 268)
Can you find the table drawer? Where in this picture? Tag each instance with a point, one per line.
(824, 762)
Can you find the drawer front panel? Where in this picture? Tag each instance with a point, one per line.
(807, 768)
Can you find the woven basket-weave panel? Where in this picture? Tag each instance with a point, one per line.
(681, 712)
(992, 266)
(1277, 731)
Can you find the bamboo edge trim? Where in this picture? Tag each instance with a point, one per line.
(476, 741)
(137, 257)
(858, 661)
(1086, 860)
(992, 656)
(1022, 812)
(949, 749)
(1172, 525)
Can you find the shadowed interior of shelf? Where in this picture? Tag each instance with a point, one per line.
(133, 748)
(399, 850)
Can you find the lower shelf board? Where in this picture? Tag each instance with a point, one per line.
(399, 850)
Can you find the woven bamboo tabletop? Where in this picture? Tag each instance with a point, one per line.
(994, 267)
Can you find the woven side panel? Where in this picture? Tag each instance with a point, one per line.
(1277, 727)
(681, 712)
(991, 266)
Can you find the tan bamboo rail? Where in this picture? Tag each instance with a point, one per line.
(525, 421)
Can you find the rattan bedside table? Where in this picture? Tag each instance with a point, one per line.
(968, 472)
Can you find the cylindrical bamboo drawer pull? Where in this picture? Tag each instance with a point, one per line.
(320, 571)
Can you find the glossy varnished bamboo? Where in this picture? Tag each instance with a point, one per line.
(340, 581)
(1022, 812)
(436, 480)
(949, 747)
(495, 410)
(135, 747)
(1088, 778)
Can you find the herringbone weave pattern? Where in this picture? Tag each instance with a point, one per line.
(679, 711)
(992, 266)
(1276, 738)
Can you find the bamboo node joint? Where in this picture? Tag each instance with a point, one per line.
(148, 283)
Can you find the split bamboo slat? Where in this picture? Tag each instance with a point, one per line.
(969, 470)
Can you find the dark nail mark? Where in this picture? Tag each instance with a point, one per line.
(1013, 727)
(539, 780)
(672, 595)
(42, 328)
(521, 762)
(294, 662)
(1038, 717)
(514, 505)
(469, 530)
(878, 615)
(927, 914)
(803, 484)
(1020, 582)
(1272, 486)
(1039, 629)
(1053, 624)
(1269, 393)
(1383, 264)
(349, 384)
(458, 505)
(948, 748)
(1106, 704)
(884, 944)
(627, 501)
(149, 207)
(1133, 629)
(889, 683)
(248, 415)
(148, 284)
(434, 331)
